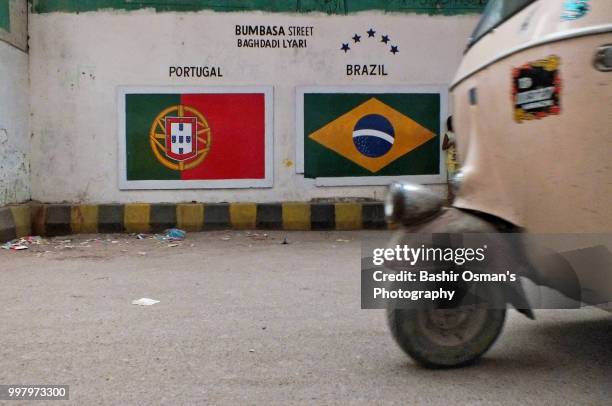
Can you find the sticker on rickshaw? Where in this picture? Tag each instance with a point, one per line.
(575, 9)
(536, 89)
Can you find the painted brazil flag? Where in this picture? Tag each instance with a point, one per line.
(195, 138)
(370, 134)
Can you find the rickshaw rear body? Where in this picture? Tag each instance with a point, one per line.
(533, 119)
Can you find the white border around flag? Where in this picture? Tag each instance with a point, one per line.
(369, 180)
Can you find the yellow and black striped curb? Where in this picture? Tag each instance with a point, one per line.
(62, 219)
(15, 221)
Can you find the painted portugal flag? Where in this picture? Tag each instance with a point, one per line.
(360, 134)
(195, 136)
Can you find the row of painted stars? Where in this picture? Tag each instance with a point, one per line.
(371, 34)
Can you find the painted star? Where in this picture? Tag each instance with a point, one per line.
(385, 39)
(371, 33)
(357, 38)
(394, 49)
(345, 48)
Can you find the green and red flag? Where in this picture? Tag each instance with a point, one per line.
(374, 136)
(195, 138)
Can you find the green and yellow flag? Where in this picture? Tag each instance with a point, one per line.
(357, 134)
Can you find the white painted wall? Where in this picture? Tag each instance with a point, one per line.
(14, 137)
(14, 110)
(78, 60)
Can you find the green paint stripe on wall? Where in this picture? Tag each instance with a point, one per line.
(5, 15)
(444, 7)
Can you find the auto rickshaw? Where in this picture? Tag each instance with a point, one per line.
(532, 112)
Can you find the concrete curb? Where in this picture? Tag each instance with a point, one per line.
(7, 225)
(15, 221)
(63, 219)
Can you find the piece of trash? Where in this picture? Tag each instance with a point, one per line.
(145, 301)
(172, 245)
(33, 239)
(22, 243)
(256, 236)
(142, 253)
(342, 240)
(114, 242)
(175, 234)
(141, 236)
(226, 238)
(251, 350)
(172, 234)
(285, 242)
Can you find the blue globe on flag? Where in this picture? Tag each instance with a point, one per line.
(373, 135)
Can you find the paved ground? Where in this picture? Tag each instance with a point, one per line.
(244, 319)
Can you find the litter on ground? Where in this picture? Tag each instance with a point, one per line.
(256, 236)
(145, 301)
(22, 243)
(175, 234)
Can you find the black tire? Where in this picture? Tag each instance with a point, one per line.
(432, 346)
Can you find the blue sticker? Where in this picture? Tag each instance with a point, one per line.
(575, 9)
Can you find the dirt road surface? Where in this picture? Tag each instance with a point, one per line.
(245, 319)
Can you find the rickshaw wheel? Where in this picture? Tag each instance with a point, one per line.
(437, 337)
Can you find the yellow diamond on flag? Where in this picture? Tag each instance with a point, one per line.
(372, 135)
